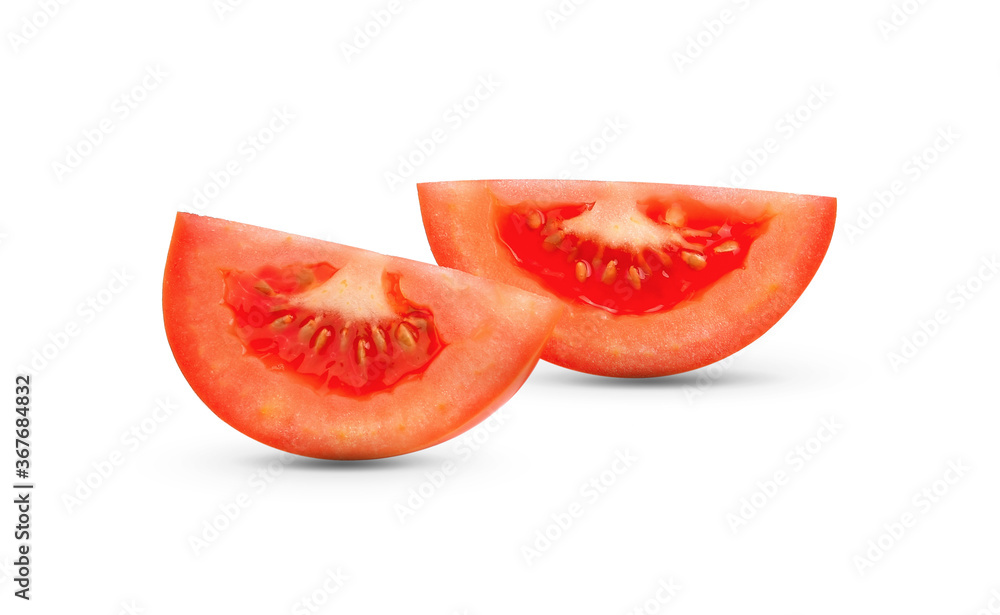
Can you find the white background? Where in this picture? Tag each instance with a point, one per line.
(703, 440)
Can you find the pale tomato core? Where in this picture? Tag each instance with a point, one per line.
(676, 250)
(321, 347)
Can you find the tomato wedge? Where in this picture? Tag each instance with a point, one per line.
(657, 279)
(335, 352)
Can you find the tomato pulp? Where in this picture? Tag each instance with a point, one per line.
(274, 318)
(682, 257)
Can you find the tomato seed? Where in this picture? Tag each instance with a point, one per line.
(675, 216)
(406, 335)
(361, 349)
(694, 260)
(643, 264)
(321, 339)
(554, 240)
(417, 322)
(610, 272)
(305, 277)
(727, 246)
(599, 257)
(379, 336)
(307, 330)
(633, 278)
(284, 321)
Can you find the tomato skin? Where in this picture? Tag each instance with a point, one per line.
(494, 336)
(733, 312)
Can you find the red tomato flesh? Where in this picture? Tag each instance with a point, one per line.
(330, 352)
(692, 256)
(335, 352)
(656, 279)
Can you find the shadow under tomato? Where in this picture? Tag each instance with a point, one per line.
(558, 376)
(419, 460)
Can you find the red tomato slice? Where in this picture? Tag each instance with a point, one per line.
(335, 352)
(657, 279)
